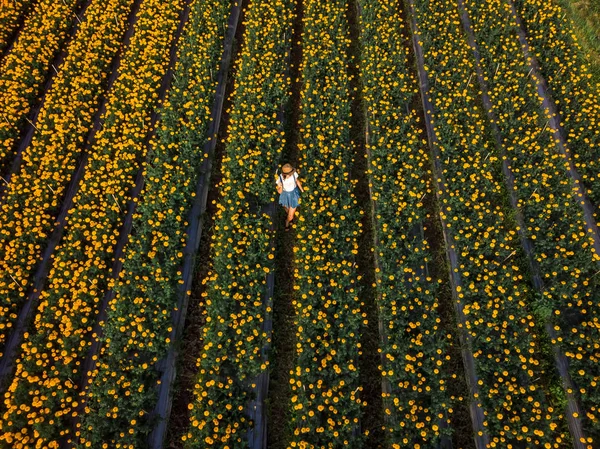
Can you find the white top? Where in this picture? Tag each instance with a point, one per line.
(289, 183)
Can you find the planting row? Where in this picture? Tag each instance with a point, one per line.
(11, 13)
(49, 367)
(235, 301)
(575, 96)
(23, 71)
(489, 286)
(553, 218)
(415, 348)
(325, 405)
(32, 200)
(138, 327)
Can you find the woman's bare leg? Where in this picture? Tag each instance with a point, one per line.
(290, 216)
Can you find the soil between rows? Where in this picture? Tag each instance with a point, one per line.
(283, 350)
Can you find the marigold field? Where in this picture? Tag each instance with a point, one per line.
(439, 286)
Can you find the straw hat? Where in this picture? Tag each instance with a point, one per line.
(287, 169)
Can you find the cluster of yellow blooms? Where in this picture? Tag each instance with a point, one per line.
(552, 214)
(235, 305)
(44, 392)
(32, 200)
(23, 71)
(326, 406)
(138, 328)
(552, 39)
(10, 13)
(415, 347)
(494, 296)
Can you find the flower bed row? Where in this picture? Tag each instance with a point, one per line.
(48, 368)
(415, 347)
(24, 69)
(325, 406)
(32, 200)
(10, 13)
(234, 300)
(138, 324)
(503, 334)
(576, 97)
(553, 217)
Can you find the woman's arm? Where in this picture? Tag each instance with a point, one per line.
(299, 185)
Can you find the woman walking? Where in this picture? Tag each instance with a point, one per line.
(289, 188)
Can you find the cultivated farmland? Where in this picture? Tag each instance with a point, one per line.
(438, 287)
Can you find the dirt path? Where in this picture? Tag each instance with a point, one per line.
(284, 339)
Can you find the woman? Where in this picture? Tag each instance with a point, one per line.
(289, 188)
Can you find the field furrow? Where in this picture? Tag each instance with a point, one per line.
(281, 356)
(48, 368)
